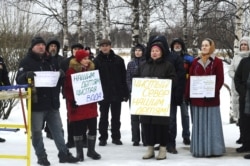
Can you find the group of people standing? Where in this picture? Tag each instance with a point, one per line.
(154, 61)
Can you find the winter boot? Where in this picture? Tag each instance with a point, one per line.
(91, 148)
(150, 153)
(162, 153)
(67, 157)
(79, 147)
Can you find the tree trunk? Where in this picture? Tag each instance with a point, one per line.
(184, 31)
(79, 23)
(145, 20)
(65, 28)
(238, 25)
(98, 34)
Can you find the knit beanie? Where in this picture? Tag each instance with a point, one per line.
(80, 54)
(37, 40)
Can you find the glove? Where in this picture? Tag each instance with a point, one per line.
(74, 105)
(62, 74)
(125, 99)
(30, 74)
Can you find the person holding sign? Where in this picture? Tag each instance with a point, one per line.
(45, 103)
(81, 115)
(205, 80)
(156, 127)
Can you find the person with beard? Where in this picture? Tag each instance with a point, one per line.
(234, 112)
(45, 102)
(4, 80)
(156, 127)
(53, 48)
(207, 134)
(112, 72)
(138, 59)
(178, 47)
(242, 86)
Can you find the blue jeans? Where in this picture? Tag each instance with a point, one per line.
(53, 119)
(173, 125)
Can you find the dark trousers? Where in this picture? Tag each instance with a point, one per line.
(79, 127)
(115, 108)
(244, 124)
(137, 132)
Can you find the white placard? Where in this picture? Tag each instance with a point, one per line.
(87, 87)
(202, 86)
(46, 78)
(151, 96)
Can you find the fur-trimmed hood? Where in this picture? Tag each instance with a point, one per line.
(78, 66)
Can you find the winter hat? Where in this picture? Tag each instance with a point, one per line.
(80, 54)
(159, 45)
(105, 41)
(246, 39)
(76, 45)
(180, 41)
(37, 40)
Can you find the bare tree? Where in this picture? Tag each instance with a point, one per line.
(15, 32)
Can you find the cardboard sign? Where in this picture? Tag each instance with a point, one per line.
(87, 87)
(151, 96)
(46, 78)
(202, 86)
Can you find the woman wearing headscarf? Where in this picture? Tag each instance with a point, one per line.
(207, 134)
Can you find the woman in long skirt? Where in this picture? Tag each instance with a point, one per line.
(207, 134)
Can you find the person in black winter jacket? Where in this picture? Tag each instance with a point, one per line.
(112, 72)
(156, 127)
(178, 47)
(4, 79)
(241, 80)
(136, 61)
(45, 102)
(53, 48)
(178, 90)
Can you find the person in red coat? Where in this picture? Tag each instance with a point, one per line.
(207, 133)
(81, 115)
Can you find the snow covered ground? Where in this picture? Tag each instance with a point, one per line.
(113, 155)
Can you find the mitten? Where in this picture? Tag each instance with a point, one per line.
(30, 74)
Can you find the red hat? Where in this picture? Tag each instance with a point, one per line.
(80, 54)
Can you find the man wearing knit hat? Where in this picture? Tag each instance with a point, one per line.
(46, 106)
(64, 66)
(53, 48)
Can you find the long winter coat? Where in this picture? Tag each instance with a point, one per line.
(231, 72)
(215, 67)
(81, 112)
(113, 76)
(240, 78)
(4, 78)
(47, 97)
(160, 69)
